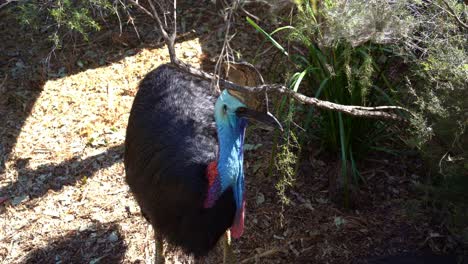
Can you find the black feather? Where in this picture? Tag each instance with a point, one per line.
(171, 138)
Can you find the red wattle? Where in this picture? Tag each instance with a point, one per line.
(237, 227)
(211, 173)
(214, 186)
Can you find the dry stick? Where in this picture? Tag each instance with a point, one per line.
(378, 112)
(262, 255)
(3, 83)
(169, 40)
(174, 33)
(225, 49)
(130, 18)
(7, 2)
(452, 13)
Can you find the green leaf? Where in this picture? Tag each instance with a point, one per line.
(299, 80)
(268, 36)
(321, 87)
(344, 163)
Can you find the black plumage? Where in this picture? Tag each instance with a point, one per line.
(171, 138)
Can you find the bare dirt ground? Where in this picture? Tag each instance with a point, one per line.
(63, 198)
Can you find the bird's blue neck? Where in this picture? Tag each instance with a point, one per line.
(231, 132)
(230, 160)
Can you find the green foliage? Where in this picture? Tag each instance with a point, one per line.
(286, 163)
(437, 85)
(63, 18)
(343, 69)
(438, 88)
(28, 14)
(73, 18)
(439, 60)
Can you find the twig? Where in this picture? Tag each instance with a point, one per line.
(130, 19)
(452, 13)
(141, 8)
(249, 14)
(225, 48)
(262, 255)
(7, 2)
(168, 39)
(3, 84)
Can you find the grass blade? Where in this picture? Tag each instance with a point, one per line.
(268, 36)
(344, 169)
(321, 87)
(299, 79)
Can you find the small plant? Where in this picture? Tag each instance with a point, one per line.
(287, 159)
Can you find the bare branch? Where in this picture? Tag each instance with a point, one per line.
(169, 40)
(378, 112)
(130, 18)
(174, 32)
(262, 255)
(353, 110)
(225, 47)
(7, 2)
(2, 89)
(452, 13)
(141, 8)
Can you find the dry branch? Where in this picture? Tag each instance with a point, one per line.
(452, 13)
(6, 3)
(379, 112)
(267, 253)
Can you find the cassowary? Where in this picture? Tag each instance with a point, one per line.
(184, 159)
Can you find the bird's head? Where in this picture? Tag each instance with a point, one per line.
(232, 110)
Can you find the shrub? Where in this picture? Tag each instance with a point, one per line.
(437, 88)
(64, 19)
(343, 48)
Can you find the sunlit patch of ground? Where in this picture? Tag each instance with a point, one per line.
(66, 173)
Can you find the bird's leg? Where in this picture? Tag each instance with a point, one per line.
(159, 259)
(200, 260)
(227, 247)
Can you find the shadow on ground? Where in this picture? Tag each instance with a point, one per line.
(101, 243)
(54, 177)
(24, 72)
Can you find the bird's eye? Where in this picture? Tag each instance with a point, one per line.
(225, 109)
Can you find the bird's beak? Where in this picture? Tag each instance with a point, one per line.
(263, 117)
(255, 110)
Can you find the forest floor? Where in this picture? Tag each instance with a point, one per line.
(63, 197)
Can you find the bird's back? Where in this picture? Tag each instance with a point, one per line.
(171, 138)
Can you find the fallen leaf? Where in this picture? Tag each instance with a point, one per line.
(260, 199)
